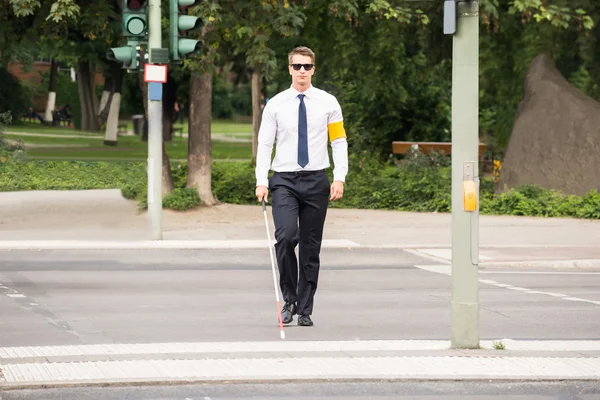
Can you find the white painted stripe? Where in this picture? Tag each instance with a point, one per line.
(306, 368)
(15, 295)
(152, 244)
(283, 346)
(447, 270)
(428, 256)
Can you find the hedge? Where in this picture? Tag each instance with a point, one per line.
(422, 184)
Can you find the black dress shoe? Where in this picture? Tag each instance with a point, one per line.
(287, 312)
(304, 320)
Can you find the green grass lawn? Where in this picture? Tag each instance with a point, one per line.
(220, 150)
(219, 127)
(127, 148)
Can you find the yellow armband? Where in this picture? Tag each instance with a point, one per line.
(336, 131)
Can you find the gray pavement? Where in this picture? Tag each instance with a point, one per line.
(87, 297)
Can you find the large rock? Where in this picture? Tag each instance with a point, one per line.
(555, 142)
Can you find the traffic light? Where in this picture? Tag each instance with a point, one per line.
(179, 24)
(134, 27)
(128, 55)
(135, 18)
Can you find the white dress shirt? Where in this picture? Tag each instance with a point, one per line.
(280, 124)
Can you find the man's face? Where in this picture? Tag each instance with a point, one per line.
(302, 76)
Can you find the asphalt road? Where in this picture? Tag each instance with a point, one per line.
(83, 297)
(322, 391)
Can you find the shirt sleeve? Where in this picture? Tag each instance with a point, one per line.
(266, 138)
(339, 144)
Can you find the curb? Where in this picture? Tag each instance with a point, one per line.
(8, 245)
(273, 381)
(36, 245)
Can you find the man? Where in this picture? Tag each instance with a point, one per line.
(301, 119)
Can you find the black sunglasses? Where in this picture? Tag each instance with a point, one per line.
(307, 67)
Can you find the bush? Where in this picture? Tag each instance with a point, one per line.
(182, 199)
(530, 200)
(234, 182)
(416, 184)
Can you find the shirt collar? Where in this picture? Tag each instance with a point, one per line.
(307, 92)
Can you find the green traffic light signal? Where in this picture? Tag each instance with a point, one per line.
(179, 24)
(135, 18)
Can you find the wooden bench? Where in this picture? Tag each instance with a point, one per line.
(429, 147)
(62, 116)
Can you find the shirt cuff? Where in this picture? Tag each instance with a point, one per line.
(339, 177)
(262, 182)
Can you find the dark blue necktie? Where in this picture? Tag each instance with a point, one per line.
(302, 134)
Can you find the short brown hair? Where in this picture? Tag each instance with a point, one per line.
(303, 51)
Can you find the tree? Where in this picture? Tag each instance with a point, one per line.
(81, 29)
(249, 27)
(202, 69)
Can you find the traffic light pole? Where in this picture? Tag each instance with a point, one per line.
(155, 117)
(465, 181)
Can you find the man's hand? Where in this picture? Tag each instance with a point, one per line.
(262, 192)
(337, 190)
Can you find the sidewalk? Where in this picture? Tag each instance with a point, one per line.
(104, 219)
(168, 363)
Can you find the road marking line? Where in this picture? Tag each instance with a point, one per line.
(539, 273)
(447, 270)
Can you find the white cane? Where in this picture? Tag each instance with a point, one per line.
(282, 333)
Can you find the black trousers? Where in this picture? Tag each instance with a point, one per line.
(299, 203)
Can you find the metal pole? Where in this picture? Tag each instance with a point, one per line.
(155, 142)
(465, 167)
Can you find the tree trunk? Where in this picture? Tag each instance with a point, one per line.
(256, 111)
(265, 94)
(112, 124)
(169, 97)
(51, 102)
(109, 89)
(144, 89)
(199, 140)
(168, 185)
(86, 84)
(167, 175)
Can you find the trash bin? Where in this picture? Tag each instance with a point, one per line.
(138, 123)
